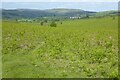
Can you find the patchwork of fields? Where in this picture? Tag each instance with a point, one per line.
(76, 48)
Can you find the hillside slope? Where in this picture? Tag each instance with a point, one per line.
(29, 13)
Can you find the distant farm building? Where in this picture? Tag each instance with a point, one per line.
(25, 20)
(75, 17)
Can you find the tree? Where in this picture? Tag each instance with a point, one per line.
(113, 17)
(41, 23)
(87, 16)
(16, 19)
(53, 24)
(45, 21)
(57, 20)
(54, 15)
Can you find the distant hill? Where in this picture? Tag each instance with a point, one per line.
(23, 13)
(107, 13)
(31, 13)
(57, 12)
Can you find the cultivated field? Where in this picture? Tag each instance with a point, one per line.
(75, 48)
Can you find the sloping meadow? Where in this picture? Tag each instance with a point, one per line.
(75, 48)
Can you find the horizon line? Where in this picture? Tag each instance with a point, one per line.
(53, 8)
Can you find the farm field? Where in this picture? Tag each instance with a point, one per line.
(74, 49)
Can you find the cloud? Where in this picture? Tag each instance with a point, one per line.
(60, 1)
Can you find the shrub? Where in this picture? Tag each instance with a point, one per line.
(113, 18)
(45, 21)
(41, 23)
(53, 24)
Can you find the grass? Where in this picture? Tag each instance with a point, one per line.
(74, 49)
(0, 49)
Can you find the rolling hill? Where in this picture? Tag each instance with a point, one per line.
(30, 13)
(57, 12)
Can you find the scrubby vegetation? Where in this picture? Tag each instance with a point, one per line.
(53, 24)
(77, 49)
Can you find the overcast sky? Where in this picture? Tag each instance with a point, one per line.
(60, 0)
(89, 5)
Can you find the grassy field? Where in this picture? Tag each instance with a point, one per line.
(0, 49)
(75, 49)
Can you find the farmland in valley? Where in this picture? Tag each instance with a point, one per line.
(76, 48)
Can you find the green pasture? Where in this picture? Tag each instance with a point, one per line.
(74, 49)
